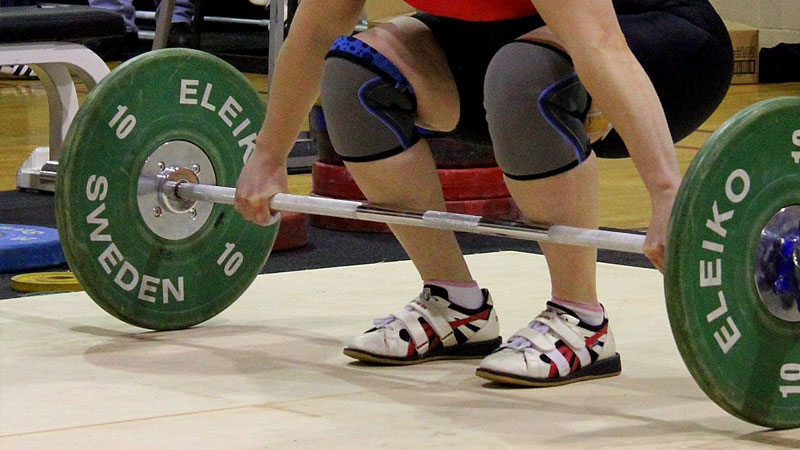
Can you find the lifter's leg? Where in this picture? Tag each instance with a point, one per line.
(409, 181)
(386, 173)
(372, 96)
(570, 199)
(533, 102)
(535, 108)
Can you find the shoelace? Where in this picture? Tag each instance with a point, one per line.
(520, 343)
(383, 322)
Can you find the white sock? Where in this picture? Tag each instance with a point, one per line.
(466, 295)
(591, 314)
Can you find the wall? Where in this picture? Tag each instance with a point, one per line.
(777, 20)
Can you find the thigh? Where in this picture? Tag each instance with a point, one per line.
(544, 35)
(690, 62)
(685, 51)
(411, 46)
(469, 48)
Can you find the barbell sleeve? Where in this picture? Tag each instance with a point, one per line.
(348, 209)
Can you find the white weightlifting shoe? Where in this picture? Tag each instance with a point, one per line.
(18, 72)
(555, 348)
(429, 328)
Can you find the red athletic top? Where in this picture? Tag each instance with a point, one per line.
(475, 10)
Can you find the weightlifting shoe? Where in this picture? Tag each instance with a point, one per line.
(17, 72)
(555, 348)
(429, 328)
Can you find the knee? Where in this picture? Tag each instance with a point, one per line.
(534, 106)
(369, 106)
(517, 75)
(341, 81)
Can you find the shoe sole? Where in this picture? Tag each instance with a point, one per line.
(609, 367)
(464, 351)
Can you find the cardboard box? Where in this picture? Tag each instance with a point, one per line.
(378, 11)
(745, 52)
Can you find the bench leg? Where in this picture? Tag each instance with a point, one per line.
(53, 63)
(163, 24)
(62, 101)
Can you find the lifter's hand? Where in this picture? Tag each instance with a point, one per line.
(260, 179)
(656, 239)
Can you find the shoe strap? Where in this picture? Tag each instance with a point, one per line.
(411, 323)
(559, 328)
(432, 314)
(426, 306)
(537, 339)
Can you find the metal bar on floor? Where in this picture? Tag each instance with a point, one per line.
(163, 24)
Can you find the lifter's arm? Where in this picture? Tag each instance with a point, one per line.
(294, 89)
(617, 82)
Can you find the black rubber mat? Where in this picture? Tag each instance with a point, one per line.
(325, 248)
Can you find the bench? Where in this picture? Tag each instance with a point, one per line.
(45, 37)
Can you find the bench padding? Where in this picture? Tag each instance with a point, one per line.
(57, 23)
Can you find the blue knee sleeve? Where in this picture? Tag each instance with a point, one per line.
(369, 105)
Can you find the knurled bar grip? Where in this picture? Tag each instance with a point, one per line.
(348, 209)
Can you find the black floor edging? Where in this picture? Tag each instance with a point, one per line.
(323, 250)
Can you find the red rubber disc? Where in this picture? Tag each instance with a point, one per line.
(325, 152)
(457, 184)
(493, 208)
(447, 152)
(292, 233)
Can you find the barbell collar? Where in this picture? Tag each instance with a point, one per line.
(348, 209)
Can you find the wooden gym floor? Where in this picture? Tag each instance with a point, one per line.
(269, 372)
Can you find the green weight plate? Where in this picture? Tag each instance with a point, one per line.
(744, 357)
(150, 267)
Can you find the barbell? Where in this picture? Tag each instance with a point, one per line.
(147, 228)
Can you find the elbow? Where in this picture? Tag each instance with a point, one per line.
(603, 47)
(600, 41)
(330, 17)
(325, 20)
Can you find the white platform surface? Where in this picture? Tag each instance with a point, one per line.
(269, 373)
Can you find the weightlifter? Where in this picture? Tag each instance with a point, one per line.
(524, 75)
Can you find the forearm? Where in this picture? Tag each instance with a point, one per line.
(618, 84)
(624, 93)
(296, 82)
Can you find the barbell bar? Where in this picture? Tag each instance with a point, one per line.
(442, 220)
(163, 129)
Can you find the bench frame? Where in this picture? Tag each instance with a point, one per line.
(54, 63)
